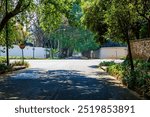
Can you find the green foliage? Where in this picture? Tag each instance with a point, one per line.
(4, 68)
(47, 14)
(51, 13)
(142, 74)
(107, 19)
(20, 63)
(116, 19)
(74, 38)
(119, 18)
(142, 71)
(75, 15)
(2, 35)
(69, 35)
(143, 29)
(107, 63)
(116, 70)
(100, 16)
(2, 60)
(17, 33)
(93, 17)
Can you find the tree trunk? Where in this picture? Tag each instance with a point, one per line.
(130, 55)
(63, 52)
(70, 52)
(133, 78)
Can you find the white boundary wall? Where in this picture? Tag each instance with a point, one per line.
(39, 52)
(113, 52)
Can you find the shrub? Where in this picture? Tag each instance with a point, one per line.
(2, 60)
(4, 68)
(107, 63)
(20, 63)
(116, 70)
(141, 74)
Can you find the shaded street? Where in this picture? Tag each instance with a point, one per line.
(63, 80)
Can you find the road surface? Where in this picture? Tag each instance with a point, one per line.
(63, 80)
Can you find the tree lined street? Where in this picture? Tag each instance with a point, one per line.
(64, 28)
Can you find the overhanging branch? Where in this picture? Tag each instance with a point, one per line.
(18, 9)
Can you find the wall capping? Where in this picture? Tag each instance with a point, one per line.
(137, 40)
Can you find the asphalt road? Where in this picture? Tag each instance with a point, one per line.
(63, 80)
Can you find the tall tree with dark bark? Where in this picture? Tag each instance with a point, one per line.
(120, 18)
(115, 17)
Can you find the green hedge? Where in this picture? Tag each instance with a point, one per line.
(142, 74)
(105, 63)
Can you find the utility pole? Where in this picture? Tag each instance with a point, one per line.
(7, 41)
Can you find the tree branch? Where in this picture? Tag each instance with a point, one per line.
(18, 9)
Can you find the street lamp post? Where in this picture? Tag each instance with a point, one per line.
(33, 52)
(33, 48)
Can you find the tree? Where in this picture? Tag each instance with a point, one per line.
(142, 7)
(20, 7)
(68, 39)
(48, 16)
(93, 17)
(75, 14)
(51, 13)
(111, 19)
(10, 9)
(120, 18)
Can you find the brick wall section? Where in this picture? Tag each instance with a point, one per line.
(140, 48)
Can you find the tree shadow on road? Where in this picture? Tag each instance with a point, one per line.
(60, 85)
